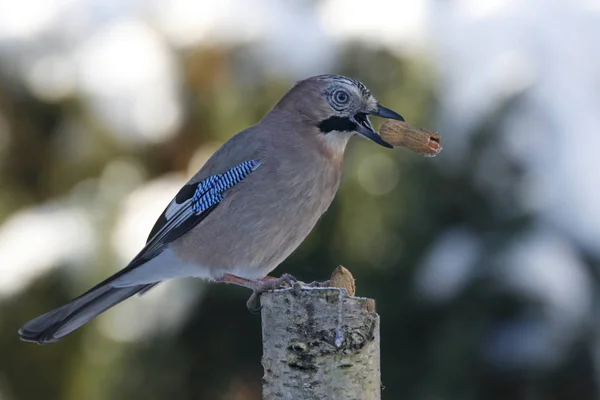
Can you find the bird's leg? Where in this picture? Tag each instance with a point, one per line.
(255, 284)
(237, 280)
(265, 284)
(259, 286)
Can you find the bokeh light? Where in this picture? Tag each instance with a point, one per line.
(484, 260)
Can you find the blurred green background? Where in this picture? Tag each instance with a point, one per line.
(484, 260)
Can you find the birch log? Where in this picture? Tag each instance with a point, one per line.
(319, 344)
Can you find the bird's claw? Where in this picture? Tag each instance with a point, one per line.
(265, 285)
(317, 284)
(286, 280)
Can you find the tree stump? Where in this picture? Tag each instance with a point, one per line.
(319, 343)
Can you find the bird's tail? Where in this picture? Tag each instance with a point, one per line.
(56, 324)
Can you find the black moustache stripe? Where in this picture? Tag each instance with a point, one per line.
(342, 124)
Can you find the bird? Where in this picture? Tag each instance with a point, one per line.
(248, 208)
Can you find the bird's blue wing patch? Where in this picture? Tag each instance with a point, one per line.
(190, 206)
(210, 191)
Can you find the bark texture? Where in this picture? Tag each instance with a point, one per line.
(319, 343)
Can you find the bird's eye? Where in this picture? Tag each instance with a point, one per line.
(341, 97)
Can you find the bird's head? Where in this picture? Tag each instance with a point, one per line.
(338, 106)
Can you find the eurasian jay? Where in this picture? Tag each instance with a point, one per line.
(250, 206)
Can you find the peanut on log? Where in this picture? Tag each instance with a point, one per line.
(421, 141)
(342, 278)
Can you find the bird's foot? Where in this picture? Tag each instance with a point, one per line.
(260, 286)
(317, 284)
(266, 284)
(271, 283)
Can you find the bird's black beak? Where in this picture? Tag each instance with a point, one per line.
(384, 112)
(365, 127)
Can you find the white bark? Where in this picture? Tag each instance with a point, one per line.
(319, 343)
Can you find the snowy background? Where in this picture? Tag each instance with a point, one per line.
(484, 261)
